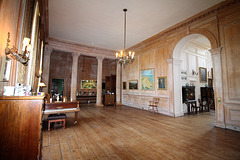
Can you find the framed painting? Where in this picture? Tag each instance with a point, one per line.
(147, 79)
(88, 84)
(124, 85)
(133, 84)
(203, 74)
(162, 83)
(210, 82)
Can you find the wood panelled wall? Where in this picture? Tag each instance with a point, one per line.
(61, 68)
(221, 25)
(9, 18)
(16, 17)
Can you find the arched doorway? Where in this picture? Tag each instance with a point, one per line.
(177, 69)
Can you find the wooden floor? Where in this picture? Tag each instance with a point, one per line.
(128, 133)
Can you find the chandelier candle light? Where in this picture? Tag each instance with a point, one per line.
(124, 57)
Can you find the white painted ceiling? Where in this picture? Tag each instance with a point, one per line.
(100, 22)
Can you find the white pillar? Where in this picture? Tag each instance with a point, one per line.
(170, 86)
(118, 84)
(75, 57)
(46, 67)
(99, 82)
(177, 91)
(218, 87)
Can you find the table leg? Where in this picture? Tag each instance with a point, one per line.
(76, 117)
(188, 108)
(195, 107)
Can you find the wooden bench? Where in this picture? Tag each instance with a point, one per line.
(56, 118)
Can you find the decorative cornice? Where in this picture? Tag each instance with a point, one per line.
(47, 50)
(68, 46)
(76, 54)
(187, 22)
(216, 51)
(100, 59)
(51, 39)
(174, 60)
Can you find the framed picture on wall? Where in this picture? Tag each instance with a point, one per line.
(203, 74)
(124, 85)
(147, 79)
(88, 84)
(133, 84)
(162, 83)
(210, 82)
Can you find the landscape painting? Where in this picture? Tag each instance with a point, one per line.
(133, 84)
(89, 84)
(147, 79)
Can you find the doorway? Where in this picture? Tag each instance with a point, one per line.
(190, 55)
(57, 87)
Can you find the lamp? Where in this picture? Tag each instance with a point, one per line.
(40, 85)
(124, 57)
(13, 52)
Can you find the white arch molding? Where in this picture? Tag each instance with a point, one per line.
(176, 73)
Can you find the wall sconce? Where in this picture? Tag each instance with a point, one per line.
(194, 73)
(13, 52)
(39, 75)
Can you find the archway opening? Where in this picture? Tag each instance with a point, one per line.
(192, 69)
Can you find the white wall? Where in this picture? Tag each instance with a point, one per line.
(194, 55)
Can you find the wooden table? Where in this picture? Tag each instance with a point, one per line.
(63, 107)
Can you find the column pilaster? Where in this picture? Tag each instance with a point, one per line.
(118, 84)
(75, 57)
(99, 82)
(46, 67)
(218, 87)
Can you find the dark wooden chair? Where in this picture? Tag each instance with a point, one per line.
(153, 105)
(203, 105)
(211, 104)
(195, 108)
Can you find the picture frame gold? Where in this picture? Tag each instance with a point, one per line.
(147, 79)
(88, 84)
(162, 83)
(203, 74)
(133, 85)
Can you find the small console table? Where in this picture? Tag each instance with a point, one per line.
(86, 99)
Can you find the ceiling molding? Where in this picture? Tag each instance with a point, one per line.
(211, 11)
(68, 46)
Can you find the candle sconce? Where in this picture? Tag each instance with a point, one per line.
(194, 73)
(13, 52)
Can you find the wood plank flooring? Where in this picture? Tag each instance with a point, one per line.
(129, 133)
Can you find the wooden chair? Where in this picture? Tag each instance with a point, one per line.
(211, 103)
(153, 105)
(195, 108)
(203, 105)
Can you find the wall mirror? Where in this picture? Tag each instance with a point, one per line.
(5, 69)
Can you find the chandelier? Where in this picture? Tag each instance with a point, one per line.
(123, 57)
